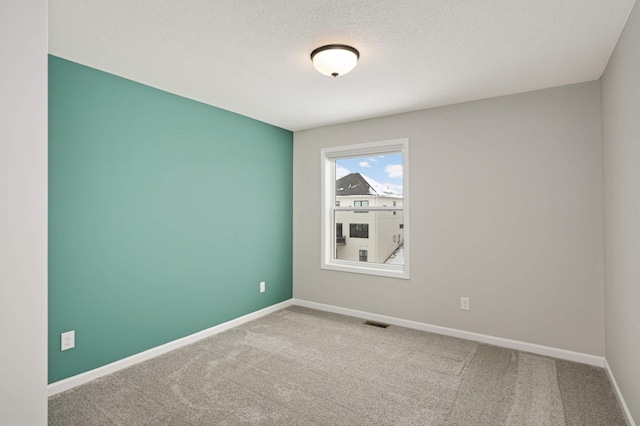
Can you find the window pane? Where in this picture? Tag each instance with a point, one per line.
(369, 181)
(371, 236)
(379, 233)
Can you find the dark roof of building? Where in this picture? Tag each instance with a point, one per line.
(353, 184)
(357, 184)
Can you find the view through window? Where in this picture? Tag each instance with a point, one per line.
(374, 236)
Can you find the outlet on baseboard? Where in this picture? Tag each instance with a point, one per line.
(263, 286)
(464, 303)
(67, 340)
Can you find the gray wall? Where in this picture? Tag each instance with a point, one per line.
(23, 212)
(506, 208)
(621, 140)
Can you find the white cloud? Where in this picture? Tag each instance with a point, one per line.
(394, 170)
(364, 164)
(341, 172)
(373, 160)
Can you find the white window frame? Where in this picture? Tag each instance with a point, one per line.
(327, 228)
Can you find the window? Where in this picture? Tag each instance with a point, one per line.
(340, 238)
(359, 203)
(365, 190)
(359, 230)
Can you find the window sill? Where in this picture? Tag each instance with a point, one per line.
(388, 271)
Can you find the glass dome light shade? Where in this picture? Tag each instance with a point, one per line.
(335, 59)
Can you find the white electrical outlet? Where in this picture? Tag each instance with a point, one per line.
(263, 286)
(67, 340)
(464, 303)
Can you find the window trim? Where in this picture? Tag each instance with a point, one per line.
(327, 171)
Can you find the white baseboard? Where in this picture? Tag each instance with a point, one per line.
(623, 404)
(71, 382)
(597, 361)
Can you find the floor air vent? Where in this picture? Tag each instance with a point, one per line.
(376, 324)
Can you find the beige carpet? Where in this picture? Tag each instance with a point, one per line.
(304, 367)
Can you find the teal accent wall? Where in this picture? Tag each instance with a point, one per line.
(164, 216)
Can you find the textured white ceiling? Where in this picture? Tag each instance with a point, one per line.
(252, 56)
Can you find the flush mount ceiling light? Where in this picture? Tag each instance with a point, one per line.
(335, 59)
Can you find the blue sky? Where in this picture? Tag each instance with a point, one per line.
(385, 169)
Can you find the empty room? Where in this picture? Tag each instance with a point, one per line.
(320, 213)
